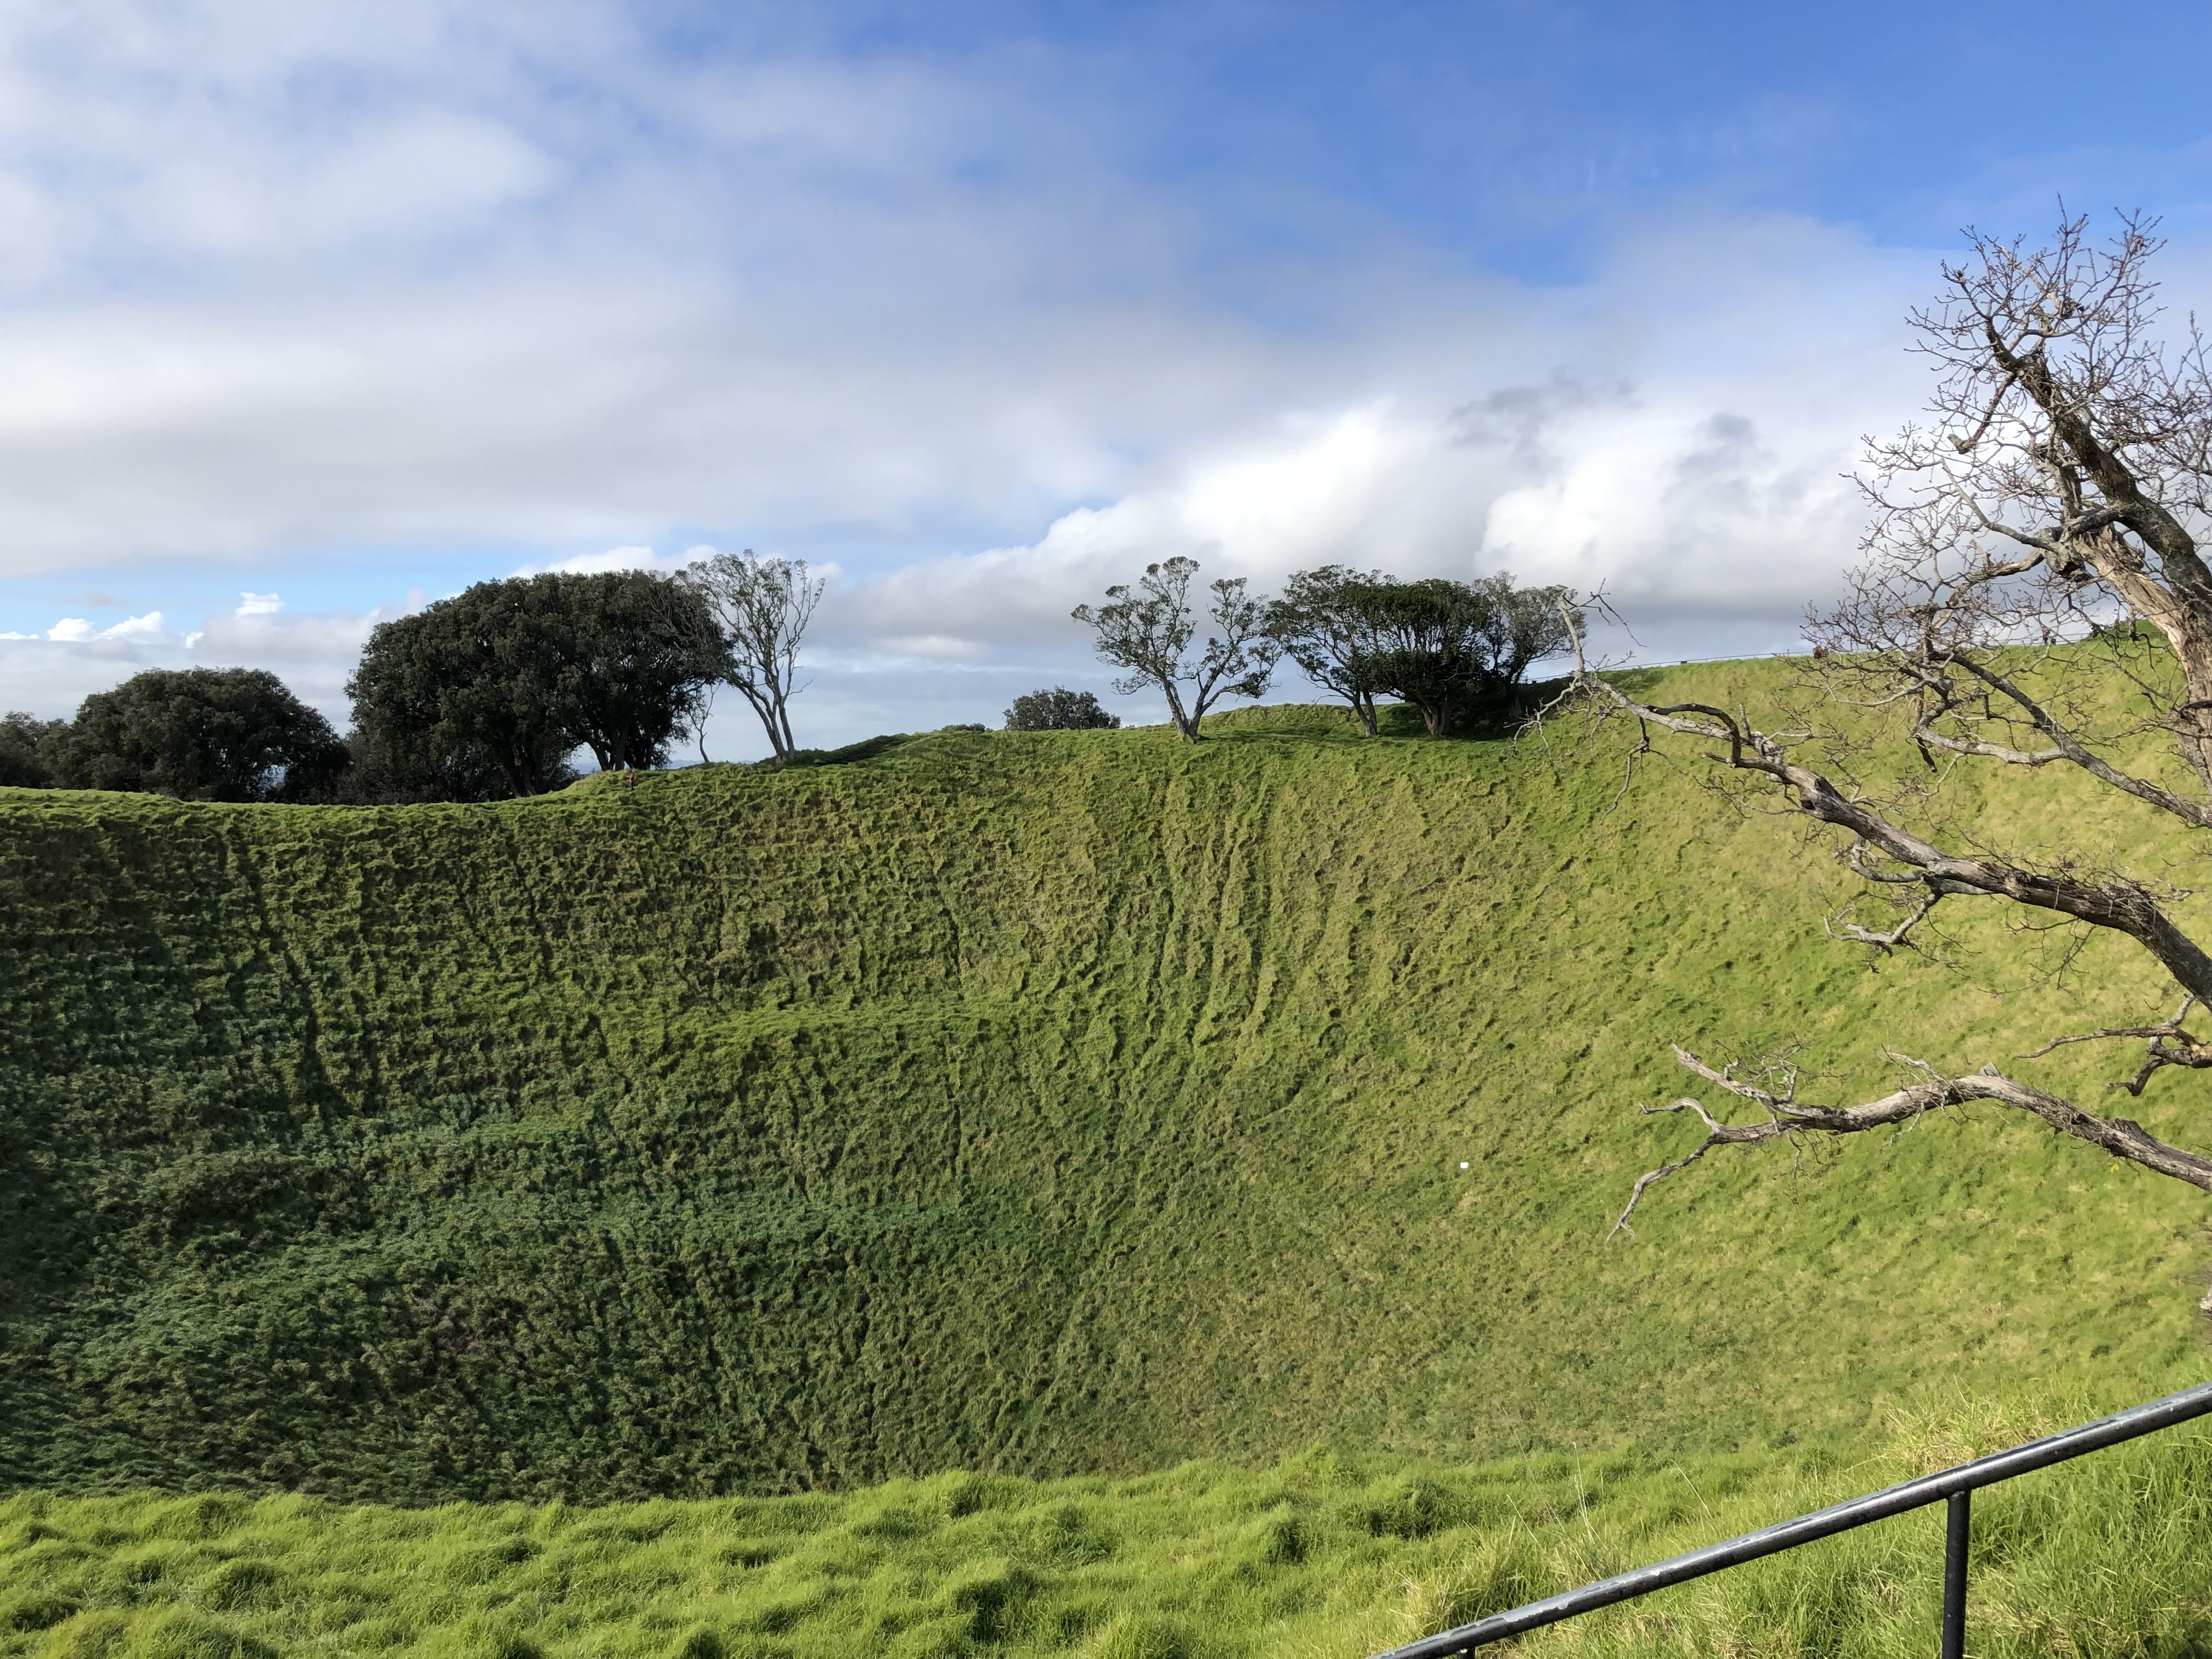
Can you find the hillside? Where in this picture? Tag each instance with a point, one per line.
(1034, 1104)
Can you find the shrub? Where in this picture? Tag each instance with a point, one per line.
(1059, 709)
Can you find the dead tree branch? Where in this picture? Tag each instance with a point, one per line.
(2184, 1050)
(2036, 595)
(2120, 1137)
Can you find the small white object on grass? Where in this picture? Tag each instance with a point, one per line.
(1462, 1163)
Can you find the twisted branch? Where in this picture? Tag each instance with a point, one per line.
(2121, 1137)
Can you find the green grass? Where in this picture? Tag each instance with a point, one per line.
(1324, 1556)
(1022, 1104)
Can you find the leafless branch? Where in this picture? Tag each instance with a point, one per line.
(1887, 942)
(1720, 1134)
(2183, 1050)
(2035, 595)
(2119, 1137)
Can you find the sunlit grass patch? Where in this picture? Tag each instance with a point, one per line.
(1322, 1557)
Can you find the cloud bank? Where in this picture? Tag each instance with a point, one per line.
(359, 307)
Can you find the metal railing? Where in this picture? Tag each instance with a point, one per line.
(1953, 1487)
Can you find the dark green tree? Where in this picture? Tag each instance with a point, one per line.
(1448, 647)
(485, 694)
(25, 759)
(387, 772)
(1060, 710)
(1430, 643)
(1322, 627)
(632, 655)
(231, 734)
(461, 694)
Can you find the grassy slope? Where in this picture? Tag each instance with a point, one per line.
(1322, 1557)
(1042, 1103)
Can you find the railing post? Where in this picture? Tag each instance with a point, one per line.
(1952, 1486)
(1955, 1518)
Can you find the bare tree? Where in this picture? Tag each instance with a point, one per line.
(761, 607)
(1149, 632)
(2035, 595)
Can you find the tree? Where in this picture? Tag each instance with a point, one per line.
(1150, 631)
(761, 607)
(1447, 646)
(486, 694)
(631, 654)
(1323, 628)
(1430, 643)
(227, 734)
(1060, 710)
(1526, 626)
(1444, 646)
(24, 757)
(462, 695)
(393, 766)
(2035, 596)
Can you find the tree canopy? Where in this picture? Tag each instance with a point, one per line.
(1444, 646)
(26, 762)
(486, 694)
(1059, 709)
(1149, 629)
(226, 734)
(1323, 627)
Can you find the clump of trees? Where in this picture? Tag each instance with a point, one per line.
(1059, 710)
(1449, 648)
(224, 734)
(482, 696)
(486, 694)
(26, 762)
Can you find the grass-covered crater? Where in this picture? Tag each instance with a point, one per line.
(1018, 1103)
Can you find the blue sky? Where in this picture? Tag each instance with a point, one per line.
(980, 306)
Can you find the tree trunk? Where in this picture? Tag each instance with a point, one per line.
(1186, 724)
(2190, 635)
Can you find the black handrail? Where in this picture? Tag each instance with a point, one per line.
(1951, 1486)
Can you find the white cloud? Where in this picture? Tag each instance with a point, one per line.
(1714, 498)
(328, 641)
(531, 289)
(616, 558)
(931, 647)
(313, 652)
(75, 631)
(413, 174)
